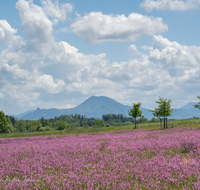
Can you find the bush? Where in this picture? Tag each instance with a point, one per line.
(100, 122)
(41, 129)
(62, 125)
(107, 125)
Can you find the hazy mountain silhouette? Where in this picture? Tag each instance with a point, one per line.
(96, 106)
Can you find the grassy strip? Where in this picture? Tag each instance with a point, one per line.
(195, 122)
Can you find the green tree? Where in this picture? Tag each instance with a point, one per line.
(10, 128)
(3, 123)
(99, 123)
(62, 125)
(21, 125)
(198, 104)
(135, 111)
(164, 109)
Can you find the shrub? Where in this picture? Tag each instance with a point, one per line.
(100, 122)
(107, 125)
(62, 125)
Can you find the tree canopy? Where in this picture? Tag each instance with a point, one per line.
(3, 123)
(135, 111)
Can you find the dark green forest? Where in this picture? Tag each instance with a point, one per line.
(10, 124)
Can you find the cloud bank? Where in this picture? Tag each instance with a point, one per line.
(37, 71)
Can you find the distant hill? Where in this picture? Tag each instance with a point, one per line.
(23, 114)
(96, 106)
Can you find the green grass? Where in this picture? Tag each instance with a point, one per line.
(78, 130)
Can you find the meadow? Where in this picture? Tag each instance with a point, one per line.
(145, 158)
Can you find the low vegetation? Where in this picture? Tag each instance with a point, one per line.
(123, 159)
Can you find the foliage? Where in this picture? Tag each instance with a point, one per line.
(10, 128)
(3, 123)
(164, 108)
(112, 119)
(153, 120)
(99, 123)
(142, 119)
(62, 125)
(107, 125)
(198, 104)
(135, 111)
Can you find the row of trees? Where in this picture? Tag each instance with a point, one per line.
(9, 124)
(164, 110)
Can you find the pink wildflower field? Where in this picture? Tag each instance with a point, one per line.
(131, 159)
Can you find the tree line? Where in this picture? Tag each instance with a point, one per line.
(9, 124)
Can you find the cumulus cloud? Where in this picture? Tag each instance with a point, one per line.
(133, 50)
(57, 11)
(6, 32)
(177, 5)
(35, 22)
(174, 54)
(47, 83)
(43, 72)
(96, 27)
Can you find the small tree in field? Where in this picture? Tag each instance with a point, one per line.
(198, 104)
(163, 110)
(135, 111)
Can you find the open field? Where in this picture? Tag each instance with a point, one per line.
(123, 159)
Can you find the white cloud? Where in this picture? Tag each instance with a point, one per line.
(146, 47)
(96, 27)
(6, 32)
(174, 55)
(133, 50)
(178, 5)
(35, 22)
(47, 83)
(56, 11)
(34, 73)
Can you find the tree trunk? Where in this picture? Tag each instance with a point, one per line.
(164, 121)
(135, 122)
(160, 124)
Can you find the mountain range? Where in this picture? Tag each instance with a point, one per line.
(96, 106)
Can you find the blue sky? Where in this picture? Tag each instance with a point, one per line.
(59, 53)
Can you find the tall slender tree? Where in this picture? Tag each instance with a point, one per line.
(135, 111)
(164, 109)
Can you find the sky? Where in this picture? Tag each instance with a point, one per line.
(58, 53)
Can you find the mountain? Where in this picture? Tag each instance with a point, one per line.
(96, 106)
(22, 114)
(190, 107)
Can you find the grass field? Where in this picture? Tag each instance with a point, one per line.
(104, 158)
